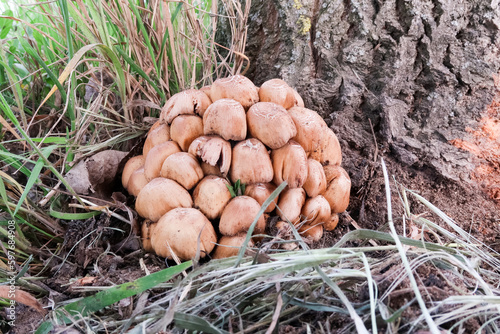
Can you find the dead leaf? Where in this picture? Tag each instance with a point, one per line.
(22, 297)
(96, 173)
(85, 281)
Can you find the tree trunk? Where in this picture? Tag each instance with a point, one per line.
(420, 71)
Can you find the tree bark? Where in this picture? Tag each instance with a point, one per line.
(420, 71)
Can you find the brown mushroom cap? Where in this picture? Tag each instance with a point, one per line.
(277, 91)
(332, 222)
(238, 216)
(261, 192)
(271, 124)
(188, 102)
(329, 153)
(227, 119)
(230, 246)
(251, 163)
(290, 165)
(338, 190)
(159, 133)
(206, 90)
(236, 87)
(213, 150)
(311, 129)
(211, 196)
(186, 128)
(131, 166)
(159, 196)
(316, 211)
(147, 230)
(156, 157)
(136, 182)
(183, 168)
(178, 232)
(316, 180)
(313, 233)
(290, 204)
(197, 144)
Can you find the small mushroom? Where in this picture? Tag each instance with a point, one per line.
(312, 233)
(227, 119)
(271, 124)
(316, 180)
(290, 204)
(131, 166)
(211, 196)
(332, 222)
(329, 153)
(236, 87)
(213, 150)
(230, 246)
(290, 165)
(183, 231)
(261, 192)
(238, 216)
(251, 163)
(186, 128)
(188, 102)
(311, 129)
(277, 91)
(160, 196)
(183, 168)
(316, 211)
(159, 133)
(156, 157)
(338, 190)
(136, 182)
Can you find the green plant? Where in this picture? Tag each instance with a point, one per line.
(238, 189)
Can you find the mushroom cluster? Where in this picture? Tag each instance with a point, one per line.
(234, 133)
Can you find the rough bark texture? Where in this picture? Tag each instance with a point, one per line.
(421, 71)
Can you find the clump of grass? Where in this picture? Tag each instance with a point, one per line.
(362, 289)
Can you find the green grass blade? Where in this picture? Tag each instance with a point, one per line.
(195, 323)
(35, 173)
(76, 16)
(14, 160)
(147, 39)
(69, 41)
(30, 51)
(5, 199)
(139, 71)
(5, 24)
(16, 89)
(51, 140)
(91, 304)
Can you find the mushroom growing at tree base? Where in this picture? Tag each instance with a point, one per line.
(232, 139)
